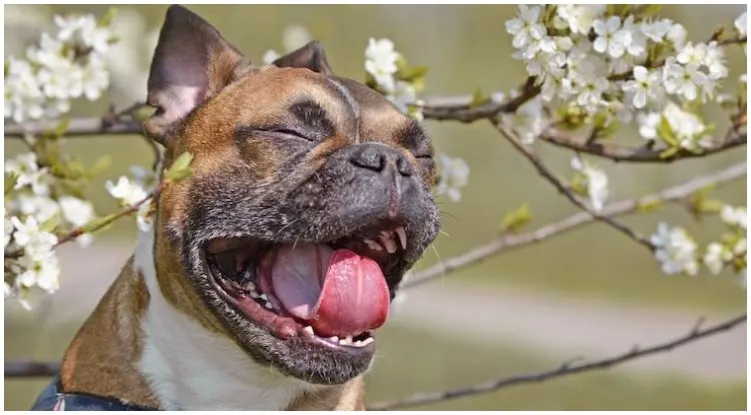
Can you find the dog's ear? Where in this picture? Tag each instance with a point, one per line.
(310, 56)
(191, 63)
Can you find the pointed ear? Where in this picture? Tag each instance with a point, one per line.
(192, 62)
(310, 56)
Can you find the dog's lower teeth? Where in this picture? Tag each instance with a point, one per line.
(333, 339)
(308, 329)
(263, 297)
(268, 305)
(363, 343)
(254, 294)
(346, 341)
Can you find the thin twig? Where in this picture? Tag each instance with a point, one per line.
(565, 369)
(641, 154)
(548, 175)
(508, 242)
(80, 230)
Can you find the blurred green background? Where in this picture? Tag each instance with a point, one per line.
(465, 47)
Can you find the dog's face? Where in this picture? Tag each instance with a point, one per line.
(309, 199)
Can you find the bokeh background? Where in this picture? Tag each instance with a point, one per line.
(589, 293)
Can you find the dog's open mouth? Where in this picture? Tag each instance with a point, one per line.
(334, 294)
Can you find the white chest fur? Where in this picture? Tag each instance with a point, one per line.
(191, 368)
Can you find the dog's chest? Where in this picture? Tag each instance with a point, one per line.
(190, 368)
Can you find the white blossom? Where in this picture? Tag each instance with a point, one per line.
(454, 174)
(380, 61)
(633, 38)
(677, 35)
(84, 31)
(656, 30)
(740, 24)
(29, 174)
(525, 28)
(402, 94)
(648, 123)
(145, 216)
(527, 122)
(675, 250)
(610, 38)
(77, 212)
(683, 80)
(716, 257)
(24, 98)
(270, 56)
(39, 206)
(42, 271)
(596, 181)
(687, 127)
(127, 192)
(645, 87)
(734, 216)
(578, 17)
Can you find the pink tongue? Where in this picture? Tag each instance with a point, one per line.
(338, 292)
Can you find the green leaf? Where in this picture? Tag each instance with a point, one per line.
(98, 223)
(180, 169)
(647, 11)
(106, 20)
(401, 63)
(665, 133)
(515, 220)
(10, 182)
(670, 152)
(478, 98)
(648, 205)
(58, 130)
(412, 73)
(50, 224)
(99, 166)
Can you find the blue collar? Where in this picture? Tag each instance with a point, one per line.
(51, 399)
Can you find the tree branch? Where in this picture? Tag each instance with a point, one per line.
(641, 154)
(548, 175)
(568, 368)
(31, 369)
(508, 242)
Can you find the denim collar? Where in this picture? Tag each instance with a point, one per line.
(51, 399)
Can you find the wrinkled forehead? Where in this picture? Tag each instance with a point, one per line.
(289, 97)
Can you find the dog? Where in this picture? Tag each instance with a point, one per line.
(268, 270)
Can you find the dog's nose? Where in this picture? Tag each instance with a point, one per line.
(376, 157)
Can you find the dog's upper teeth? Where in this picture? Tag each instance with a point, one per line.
(402, 236)
(387, 240)
(253, 294)
(373, 245)
(308, 329)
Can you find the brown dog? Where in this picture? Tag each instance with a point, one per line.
(269, 269)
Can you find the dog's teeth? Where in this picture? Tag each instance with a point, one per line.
(373, 245)
(346, 341)
(334, 339)
(366, 342)
(263, 297)
(250, 286)
(253, 294)
(388, 243)
(308, 329)
(402, 236)
(268, 305)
